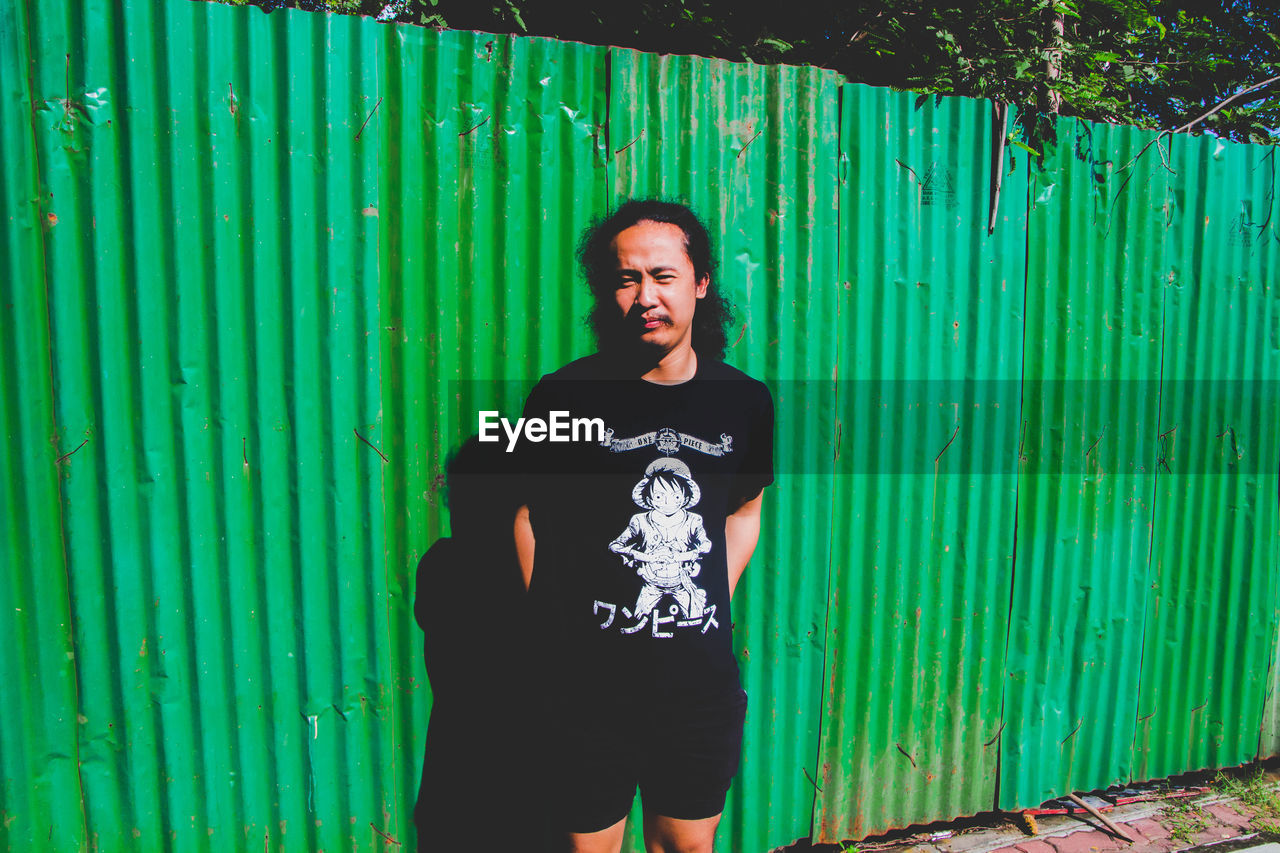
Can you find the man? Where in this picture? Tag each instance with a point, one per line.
(631, 544)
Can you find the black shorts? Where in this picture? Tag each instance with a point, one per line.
(681, 754)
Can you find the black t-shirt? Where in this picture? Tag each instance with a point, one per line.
(630, 595)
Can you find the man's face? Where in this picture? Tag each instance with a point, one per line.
(657, 291)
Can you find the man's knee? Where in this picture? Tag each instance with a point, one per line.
(605, 841)
(671, 835)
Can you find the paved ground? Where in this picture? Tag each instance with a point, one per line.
(1143, 822)
(1153, 826)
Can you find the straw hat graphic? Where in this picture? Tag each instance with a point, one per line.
(670, 466)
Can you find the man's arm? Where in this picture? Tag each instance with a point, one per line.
(524, 544)
(741, 532)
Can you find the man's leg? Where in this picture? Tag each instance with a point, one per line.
(671, 835)
(695, 756)
(605, 841)
(590, 774)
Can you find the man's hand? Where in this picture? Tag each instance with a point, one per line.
(524, 544)
(741, 532)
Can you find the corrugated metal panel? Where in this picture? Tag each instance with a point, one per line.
(1211, 611)
(753, 149)
(40, 788)
(212, 292)
(1095, 294)
(930, 324)
(492, 166)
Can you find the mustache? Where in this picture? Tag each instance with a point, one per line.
(638, 318)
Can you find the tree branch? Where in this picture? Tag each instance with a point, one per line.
(1194, 122)
(858, 35)
(1222, 104)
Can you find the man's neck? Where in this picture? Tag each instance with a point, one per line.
(679, 365)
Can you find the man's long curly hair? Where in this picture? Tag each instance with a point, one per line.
(599, 260)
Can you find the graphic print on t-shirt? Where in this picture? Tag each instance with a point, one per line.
(664, 543)
(668, 442)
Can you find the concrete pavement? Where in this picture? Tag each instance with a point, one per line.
(1156, 826)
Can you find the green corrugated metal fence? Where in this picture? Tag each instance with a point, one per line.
(1025, 534)
(1213, 572)
(1091, 373)
(922, 542)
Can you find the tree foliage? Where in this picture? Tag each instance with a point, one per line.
(1151, 63)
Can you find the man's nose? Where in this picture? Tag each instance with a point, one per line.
(647, 292)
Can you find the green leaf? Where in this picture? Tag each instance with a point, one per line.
(515, 13)
(1024, 146)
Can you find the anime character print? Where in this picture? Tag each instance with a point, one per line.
(665, 543)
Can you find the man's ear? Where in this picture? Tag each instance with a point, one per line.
(701, 290)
